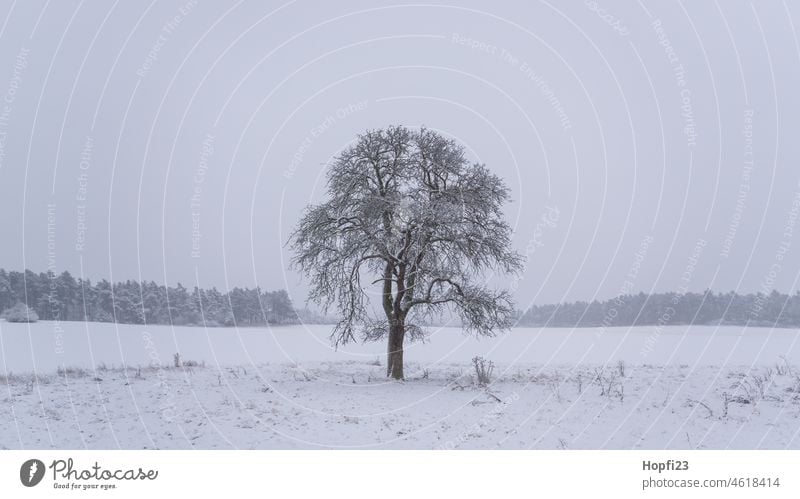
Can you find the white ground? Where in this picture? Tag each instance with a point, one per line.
(286, 388)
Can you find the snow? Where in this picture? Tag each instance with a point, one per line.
(90, 385)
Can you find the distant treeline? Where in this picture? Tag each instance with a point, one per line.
(774, 309)
(62, 297)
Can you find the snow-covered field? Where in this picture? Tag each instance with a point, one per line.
(76, 385)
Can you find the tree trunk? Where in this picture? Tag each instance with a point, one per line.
(394, 355)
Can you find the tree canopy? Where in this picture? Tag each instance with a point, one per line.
(409, 219)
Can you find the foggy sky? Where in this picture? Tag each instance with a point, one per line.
(648, 147)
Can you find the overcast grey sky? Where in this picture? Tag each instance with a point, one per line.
(659, 140)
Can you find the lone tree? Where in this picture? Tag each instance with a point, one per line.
(411, 218)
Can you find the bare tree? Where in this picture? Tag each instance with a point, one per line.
(409, 215)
